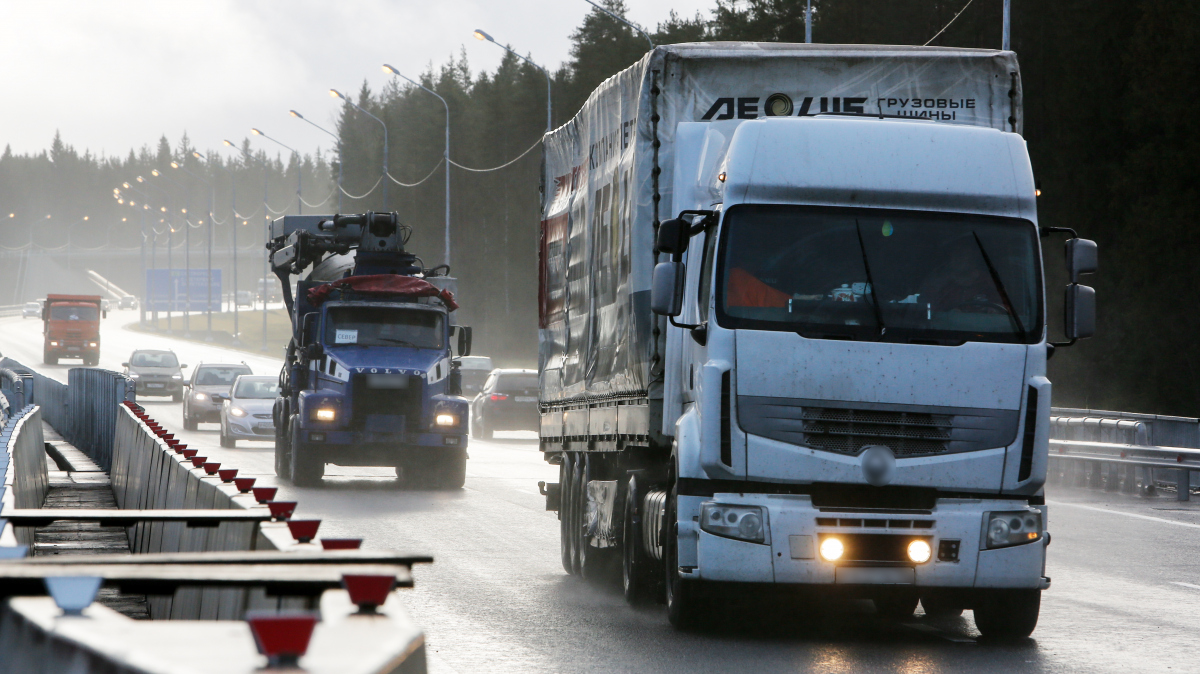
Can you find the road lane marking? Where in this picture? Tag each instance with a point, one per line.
(1118, 512)
(1189, 585)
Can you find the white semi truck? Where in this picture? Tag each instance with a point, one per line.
(793, 329)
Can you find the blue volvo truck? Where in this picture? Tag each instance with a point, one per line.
(370, 376)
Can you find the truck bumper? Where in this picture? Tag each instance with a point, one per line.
(796, 528)
(357, 448)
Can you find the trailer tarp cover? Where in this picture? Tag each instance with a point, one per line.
(383, 285)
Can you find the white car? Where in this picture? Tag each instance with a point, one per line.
(246, 415)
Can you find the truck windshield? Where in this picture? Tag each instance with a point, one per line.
(384, 326)
(59, 312)
(869, 274)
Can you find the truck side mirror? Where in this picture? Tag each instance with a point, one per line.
(673, 236)
(308, 328)
(666, 289)
(1082, 258)
(462, 335)
(1080, 320)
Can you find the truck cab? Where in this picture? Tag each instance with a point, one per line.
(71, 328)
(371, 377)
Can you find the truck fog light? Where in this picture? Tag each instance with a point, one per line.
(326, 414)
(445, 420)
(744, 523)
(832, 549)
(919, 551)
(1012, 528)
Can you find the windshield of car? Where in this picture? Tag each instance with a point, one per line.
(219, 376)
(59, 312)
(150, 359)
(897, 276)
(256, 388)
(508, 383)
(384, 326)
(32, 305)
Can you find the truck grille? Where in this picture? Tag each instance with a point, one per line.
(846, 428)
(405, 402)
(846, 431)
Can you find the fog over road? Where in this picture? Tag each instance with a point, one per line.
(1125, 595)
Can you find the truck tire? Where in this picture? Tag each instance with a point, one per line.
(595, 564)
(564, 512)
(452, 470)
(306, 469)
(283, 454)
(1007, 614)
(47, 359)
(686, 608)
(635, 563)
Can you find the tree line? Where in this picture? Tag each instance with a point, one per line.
(1106, 87)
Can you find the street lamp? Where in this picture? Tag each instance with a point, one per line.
(299, 169)
(337, 94)
(187, 259)
(212, 195)
(445, 153)
(301, 117)
(480, 35)
(266, 236)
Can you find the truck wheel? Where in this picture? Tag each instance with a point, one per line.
(452, 470)
(283, 454)
(307, 470)
(896, 607)
(47, 359)
(1008, 614)
(634, 562)
(564, 512)
(686, 607)
(595, 564)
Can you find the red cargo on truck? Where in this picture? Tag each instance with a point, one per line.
(72, 328)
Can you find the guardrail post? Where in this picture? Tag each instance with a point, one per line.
(1113, 479)
(1183, 486)
(1149, 488)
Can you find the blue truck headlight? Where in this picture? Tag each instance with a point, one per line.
(325, 414)
(445, 420)
(745, 523)
(1012, 528)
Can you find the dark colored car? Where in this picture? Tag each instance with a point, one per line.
(508, 402)
(208, 388)
(156, 373)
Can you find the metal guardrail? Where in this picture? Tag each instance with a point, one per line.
(1114, 454)
(11, 309)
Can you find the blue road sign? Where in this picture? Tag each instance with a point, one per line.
(167, 289)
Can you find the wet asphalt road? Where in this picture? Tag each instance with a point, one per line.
(1125, 595)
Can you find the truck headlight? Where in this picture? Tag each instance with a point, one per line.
(832, 549)
(200, 397)
(745, 523)
(237, 412)
(445, 420)
(1012, 528)
(93, 344)
(326, 414)
(53, 343)
(919, 551)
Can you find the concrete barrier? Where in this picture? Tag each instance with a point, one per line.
(23, 464)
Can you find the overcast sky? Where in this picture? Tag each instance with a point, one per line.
(116, 74)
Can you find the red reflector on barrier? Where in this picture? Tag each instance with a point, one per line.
(341, 543)
(168, 437)
(180, 449)
(198, 461)
(227, 474)
(304, 530)
(281, 510)
(369, 592)
(244, 484)
(189, 453)
(264, 494)
(282, 637)
(211, 467)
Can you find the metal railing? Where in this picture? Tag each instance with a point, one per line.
(1114, 451)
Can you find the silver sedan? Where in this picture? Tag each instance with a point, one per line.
(246, 415)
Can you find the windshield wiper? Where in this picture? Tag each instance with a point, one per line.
(398, 341)
(999, 285)
(870, 282)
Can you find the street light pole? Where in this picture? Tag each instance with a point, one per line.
(233, 218)
(623, 20)
(187, 255)
(299, 116)
(212, 195)
(266, 238)
(170, 269)
(337, 94)
(299, 169)
(480, 35)
(445, 153)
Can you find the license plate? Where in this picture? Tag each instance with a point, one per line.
(866, 575)
(72, 348)
(526, 399)
(265, 425)
(154, 385)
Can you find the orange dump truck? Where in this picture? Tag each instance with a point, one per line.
(72, 328)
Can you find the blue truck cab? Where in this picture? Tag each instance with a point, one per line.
(371, 375)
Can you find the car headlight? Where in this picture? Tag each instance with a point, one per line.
(445, 420)
(745, 523)
(176, 376)
(134, 375)
(237, 412)
(326, 414)
(201, 397)
(1012, 528)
